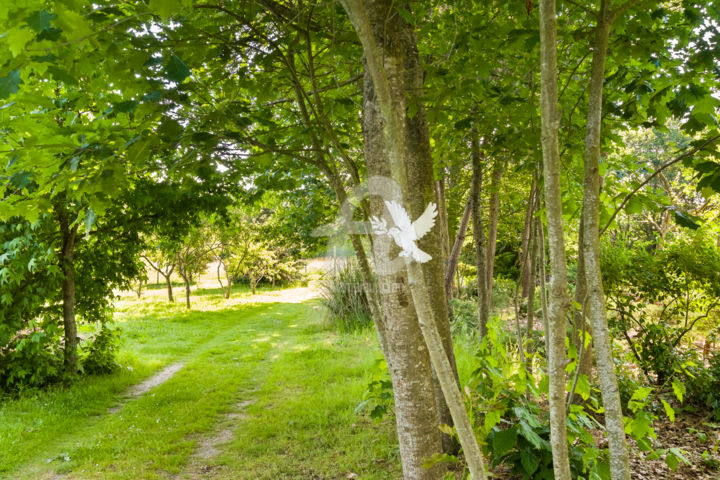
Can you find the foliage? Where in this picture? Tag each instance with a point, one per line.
(506, 402)
(100, 351)
(378, 398)
(32, 358)
(343, 294)
(659, 296)
(463, 323)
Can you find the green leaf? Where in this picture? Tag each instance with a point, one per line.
(439, 458)
(491, 419)
(678, 389)
(40, 20)
(503, 441)
(10, 84)
(634, 205)
(583, 387)
(17, 38)
(531, 436)
(641, 394)
(686, 220)
(529, 461)
(164, 8)
(89, 220)
(668, 410)
(176, 70)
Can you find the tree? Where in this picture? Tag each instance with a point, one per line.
(395, 74)
(559, 301)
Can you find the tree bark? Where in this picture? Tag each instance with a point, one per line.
(457, 247)
(493, 219)
(396, 78)
(559, 300)
(479, 234)
(416, 412)
(171, 299)
(528, 226)
(580, 324)
(619, 461)
(67, 263)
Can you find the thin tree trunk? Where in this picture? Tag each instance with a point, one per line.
(493, 218)
(479, 234)
(169, 288)
(186, 278)
(559, 299)
(67, 261)
(619, 461)
(531, 285)
(443, 221)
(528, 226)
(541, 261)
(393, 63)
(580, 326)
(457, 247)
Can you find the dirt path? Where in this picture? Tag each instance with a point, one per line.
(142, 388)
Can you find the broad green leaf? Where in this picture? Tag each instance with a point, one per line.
(641, 394)
(668, 410)
(529, 461)
(531, 436)
(164, 8)
(583, 387)
(40, 20)
(17, 38)
(503, 441)
(176, 70)
(89, 220)
(10, 84)
(678, 389)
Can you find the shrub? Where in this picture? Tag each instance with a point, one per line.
(32, 359)
(99, 352)
(343, 294)
(658, 297)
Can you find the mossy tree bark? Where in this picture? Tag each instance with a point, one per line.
(559, 300)
(619, 461)
(396, 76)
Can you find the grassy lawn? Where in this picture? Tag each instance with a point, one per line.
(298, 383)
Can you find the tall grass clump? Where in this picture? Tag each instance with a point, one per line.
(343, 294)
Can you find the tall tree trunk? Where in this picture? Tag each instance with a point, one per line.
(169, 287)
(528, 226)
(443, 221)
(619, 461)
(559, 300)
(416, 412)
(67, 262)
(533, 250)
(394, 67)
(580, 325)
(457, 247)
(186, 279)
(493, 218)
(479, 234)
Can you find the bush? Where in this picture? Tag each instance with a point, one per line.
(343, 294)
(658, 297)
(32, 359)
(464, 321)
(99, 352)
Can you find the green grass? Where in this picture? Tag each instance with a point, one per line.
(303, 382)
